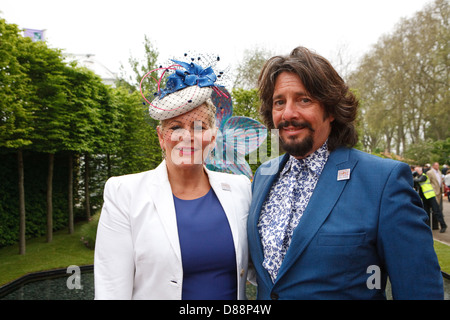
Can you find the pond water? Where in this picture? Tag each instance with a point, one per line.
(55, 288)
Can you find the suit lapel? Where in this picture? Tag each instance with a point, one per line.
(321, 203)
(161, 194)
(261, 189)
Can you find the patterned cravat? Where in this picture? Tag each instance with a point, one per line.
(285, 204)
(298, 169)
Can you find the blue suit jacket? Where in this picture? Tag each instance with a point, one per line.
(352, 231)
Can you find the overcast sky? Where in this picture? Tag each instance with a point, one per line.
(113, 30)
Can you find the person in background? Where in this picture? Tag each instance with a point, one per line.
(444, 169)
(447, 183)
(323, 224)
(435, 176)
(428, 197)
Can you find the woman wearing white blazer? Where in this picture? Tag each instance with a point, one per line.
(178, 231)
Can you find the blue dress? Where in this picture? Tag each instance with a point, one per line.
(207, 249)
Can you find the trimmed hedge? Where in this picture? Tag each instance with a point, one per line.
(35, 167)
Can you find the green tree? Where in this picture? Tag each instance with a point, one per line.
(246, 100)
(45, 68)
(246, 103)
(139, 146)
(403, 83)
(89, 123)
(81, 119)
(249, 68)
(16, 115)
(441, 151)
(140, 69)
(47, 106)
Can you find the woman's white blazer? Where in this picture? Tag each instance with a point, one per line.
(137, 250)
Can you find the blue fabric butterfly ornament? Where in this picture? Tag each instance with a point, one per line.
(236, 137)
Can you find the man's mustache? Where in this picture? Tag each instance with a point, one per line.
(296, 124)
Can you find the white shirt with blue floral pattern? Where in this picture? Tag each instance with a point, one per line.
(285, 204)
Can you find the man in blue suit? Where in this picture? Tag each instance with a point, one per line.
(328, 221)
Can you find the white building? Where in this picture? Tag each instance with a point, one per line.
(89, 61)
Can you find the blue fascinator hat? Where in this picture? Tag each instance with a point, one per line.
(188, 86)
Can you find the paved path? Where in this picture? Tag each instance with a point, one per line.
(444, 237)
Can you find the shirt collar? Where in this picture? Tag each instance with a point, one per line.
(314, 162)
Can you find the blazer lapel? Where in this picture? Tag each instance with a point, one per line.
(319, 206)
(260, 191)
(161, 194)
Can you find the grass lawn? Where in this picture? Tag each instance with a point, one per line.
(66, 250)
(443, 253)
(63, 251)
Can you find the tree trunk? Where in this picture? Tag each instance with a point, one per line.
(86, 186)
(388, 143)
(21, 203)
(70, 194)
(51, 160)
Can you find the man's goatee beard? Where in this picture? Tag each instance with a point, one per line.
(300, 149)
(297, 149)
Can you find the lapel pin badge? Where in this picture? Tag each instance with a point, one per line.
(343, 174)
(226, 186)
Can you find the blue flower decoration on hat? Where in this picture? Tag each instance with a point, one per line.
(188, 86)
(193, 74)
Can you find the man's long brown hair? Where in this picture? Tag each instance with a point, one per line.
(323, 83)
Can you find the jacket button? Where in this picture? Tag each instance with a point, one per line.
(274, 296)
